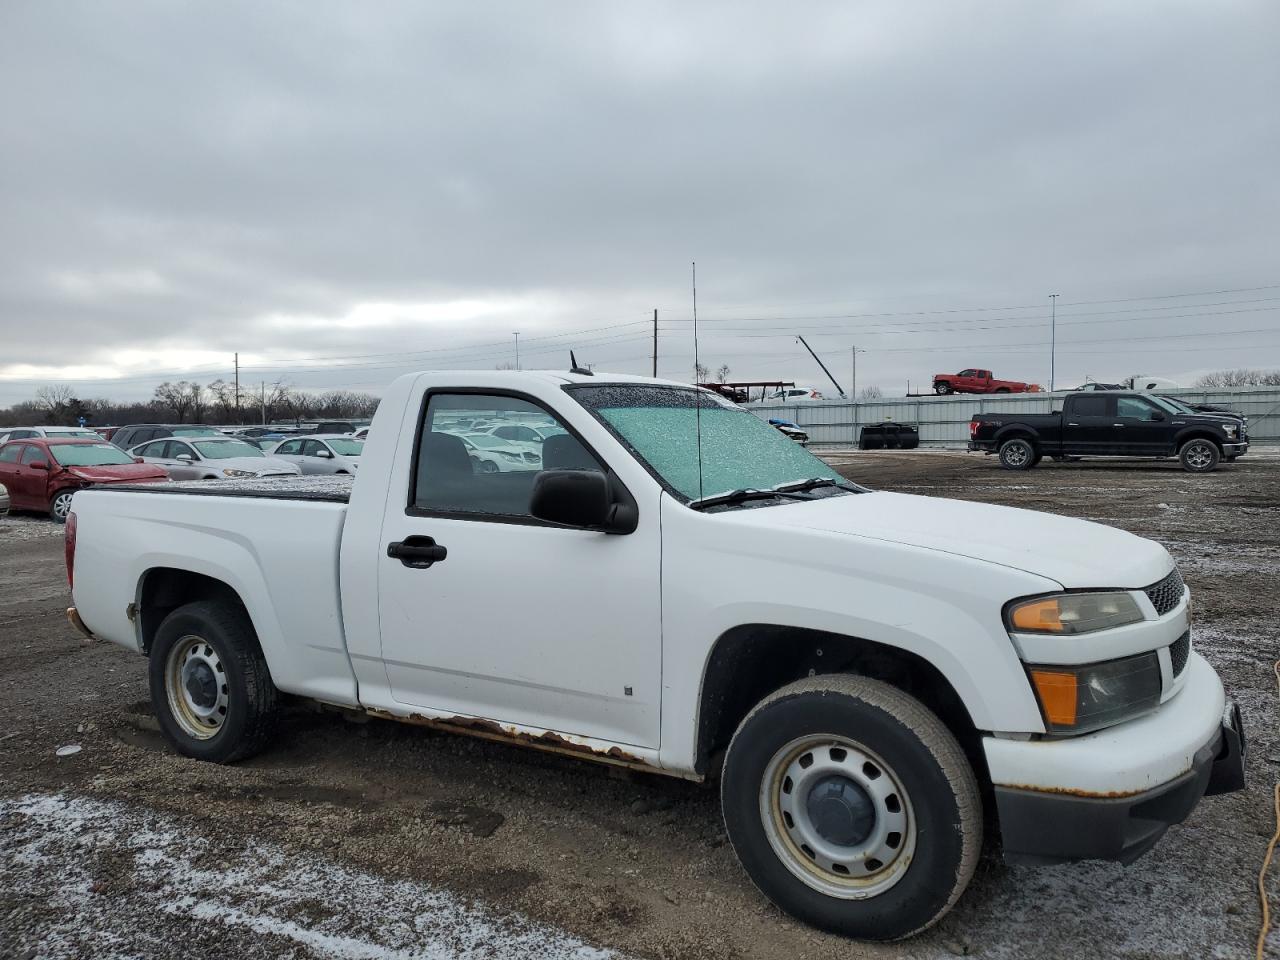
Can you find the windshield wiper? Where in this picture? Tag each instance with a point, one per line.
(800, 486)
(743, 495)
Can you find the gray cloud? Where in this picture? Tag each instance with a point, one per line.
(176, 179)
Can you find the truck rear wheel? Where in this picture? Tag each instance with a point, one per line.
(852, 807)
(1018, 454)
(210, 687)
(1199, 455)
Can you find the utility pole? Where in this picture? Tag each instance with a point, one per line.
(1053, 337)
(237, 389)
(839, 389)
(655, 343)
(517, 336)
(264, 403)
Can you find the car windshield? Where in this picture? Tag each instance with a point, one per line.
(225, 449)
(87, 434)
(660, 425)
(346, 448)
(88, 454)
(1168, 403)
(195, 432)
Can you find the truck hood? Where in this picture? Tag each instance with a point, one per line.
(117, 473)
(1075, 553)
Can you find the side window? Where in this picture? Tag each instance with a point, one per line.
(460, 472)
(1134, 408)
(1089, 406)
(10, 452)
(32, 453)
(290, 448)
(966, 373)
(312, 448)
(22, 434)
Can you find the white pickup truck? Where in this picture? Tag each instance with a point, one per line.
(671, 585)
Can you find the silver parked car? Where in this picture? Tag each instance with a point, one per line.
(321, 453)
(4, 500)
(211, 458)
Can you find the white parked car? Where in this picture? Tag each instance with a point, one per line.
(522, 433)
(793, 395)
(492, 455)
(685, 591)
(212, 458)
(28, 433)
(4, 500)
(335, 453)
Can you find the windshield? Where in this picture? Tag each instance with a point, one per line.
(1168, 403)
(225, 449)
(87, 434)
(346, 448)
(660, 425)
(195, 432)
(88, 454)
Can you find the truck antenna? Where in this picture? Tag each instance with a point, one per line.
(697, 396)
(574, 368)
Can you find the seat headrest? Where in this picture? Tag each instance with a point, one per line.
(562, 451)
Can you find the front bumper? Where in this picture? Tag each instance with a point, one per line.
(1235, 449)
(1111, 795)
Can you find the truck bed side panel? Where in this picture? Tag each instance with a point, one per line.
(280, 557)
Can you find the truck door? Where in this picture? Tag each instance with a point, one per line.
(1144, 427)
(1087, 425)
(521, 621)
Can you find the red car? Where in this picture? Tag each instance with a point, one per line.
(43, 474)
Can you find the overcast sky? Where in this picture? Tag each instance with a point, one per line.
(345, 192)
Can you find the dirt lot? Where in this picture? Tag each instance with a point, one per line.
(376, 840)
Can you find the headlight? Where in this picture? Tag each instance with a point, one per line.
(1080, 699)
(1230, 429)
(1069, 613)
(228, 472)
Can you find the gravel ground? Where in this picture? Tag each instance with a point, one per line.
(377, 840)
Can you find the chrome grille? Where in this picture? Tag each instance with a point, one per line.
(1167, 593)
(1179, 651)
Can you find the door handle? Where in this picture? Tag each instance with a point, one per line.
(417, 552)
(1117, 424)
(1073, 424)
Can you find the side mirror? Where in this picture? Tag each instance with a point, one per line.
(580, 498)
(1158, 415)
(325, 455)
(39, 465)
(138, 460)
(185, 458)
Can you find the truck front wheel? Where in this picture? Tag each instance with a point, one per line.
(1018, 454)
(852, 807)
(942, 389)
(210, 687)
(1199, 456)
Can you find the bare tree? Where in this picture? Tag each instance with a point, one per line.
(52, 402)
(722, 373)
(701, 373)
(222, 397)
(1242, 377)
(182, 397)
(870, 393)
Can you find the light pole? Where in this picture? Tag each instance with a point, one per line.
(516, 334)
(853, 379)
(1053, 336)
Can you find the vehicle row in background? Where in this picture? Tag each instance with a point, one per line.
(211, 458)
(30, 433)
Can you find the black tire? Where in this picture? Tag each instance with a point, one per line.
(942, 389)
(60, 506)
(246, 701)
(1199, 455)
(1229, 459)
(921, 759)
(1018, 454)
(1035, 461)
(1002, 390)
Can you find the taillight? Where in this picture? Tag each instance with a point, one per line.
(69, 547)
(973, 429)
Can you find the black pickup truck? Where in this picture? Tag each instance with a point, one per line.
(1111, 424)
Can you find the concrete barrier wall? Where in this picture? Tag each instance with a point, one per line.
(944, 421)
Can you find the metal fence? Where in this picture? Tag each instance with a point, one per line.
(944, 421)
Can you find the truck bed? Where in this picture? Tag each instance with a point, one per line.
(333, 489)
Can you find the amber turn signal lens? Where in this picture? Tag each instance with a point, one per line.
(1057, 693)
(1039, 616)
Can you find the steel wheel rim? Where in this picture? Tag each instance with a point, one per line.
(196, 685)
(848, 872)
(1198, 454)
(62, 505)
(1016, 455)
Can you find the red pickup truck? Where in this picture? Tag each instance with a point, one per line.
(978, 381)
